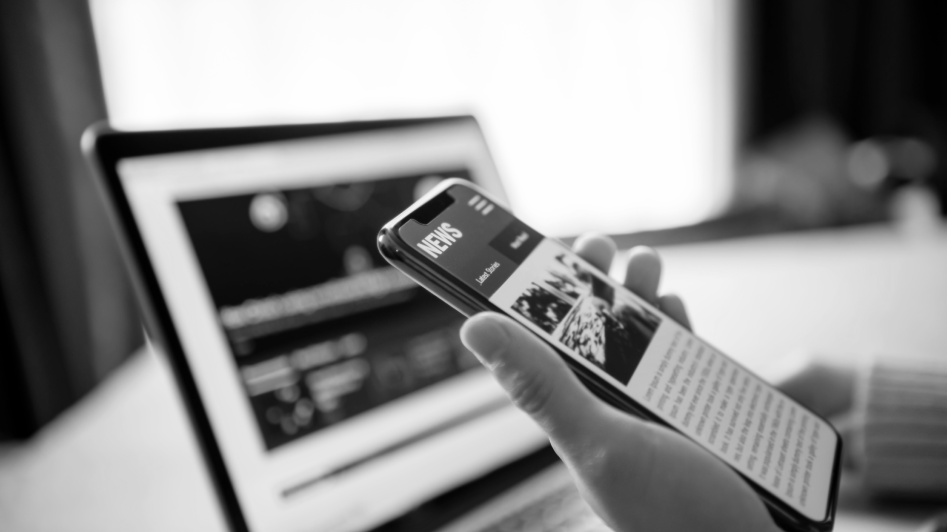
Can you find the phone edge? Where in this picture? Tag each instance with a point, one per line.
(399, 254)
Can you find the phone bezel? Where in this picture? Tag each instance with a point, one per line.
(469, 302)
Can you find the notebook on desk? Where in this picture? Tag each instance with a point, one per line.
(327, 390)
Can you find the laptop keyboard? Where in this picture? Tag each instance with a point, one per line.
(562, 510)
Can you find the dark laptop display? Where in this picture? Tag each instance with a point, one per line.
(328, 391)
(320, 327)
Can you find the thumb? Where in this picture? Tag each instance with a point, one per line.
(534, 376)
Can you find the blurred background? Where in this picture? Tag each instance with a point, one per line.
(659, 122)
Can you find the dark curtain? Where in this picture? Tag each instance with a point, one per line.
(66, 313)
(877, 67)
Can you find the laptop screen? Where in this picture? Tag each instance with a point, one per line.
(338, 391)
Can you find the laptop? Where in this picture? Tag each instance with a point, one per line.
(327, 390)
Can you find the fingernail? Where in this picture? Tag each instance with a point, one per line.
(483, 335)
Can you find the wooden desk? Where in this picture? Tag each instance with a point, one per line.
(124, 459)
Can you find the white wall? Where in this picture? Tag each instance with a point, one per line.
(604, 115)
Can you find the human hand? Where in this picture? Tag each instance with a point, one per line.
(824, 386)
(638, 476)
(827, 387)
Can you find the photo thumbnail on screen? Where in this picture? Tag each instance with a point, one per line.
(574, 305)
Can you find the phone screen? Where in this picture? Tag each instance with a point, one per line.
(681, 379)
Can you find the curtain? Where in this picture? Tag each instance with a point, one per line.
(876, 67)
(66, 312)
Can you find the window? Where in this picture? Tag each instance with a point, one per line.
(602, 115)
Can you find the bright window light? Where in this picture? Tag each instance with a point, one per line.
(603, 115)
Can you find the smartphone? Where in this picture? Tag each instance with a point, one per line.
(470, 251)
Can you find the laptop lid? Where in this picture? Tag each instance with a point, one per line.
(328, 391)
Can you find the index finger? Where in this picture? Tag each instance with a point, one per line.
(598, 249)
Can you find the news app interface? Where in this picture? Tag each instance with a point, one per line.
(760, 432)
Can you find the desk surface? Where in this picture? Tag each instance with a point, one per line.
(124, 459)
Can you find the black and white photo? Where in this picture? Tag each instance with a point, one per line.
(580, 309)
